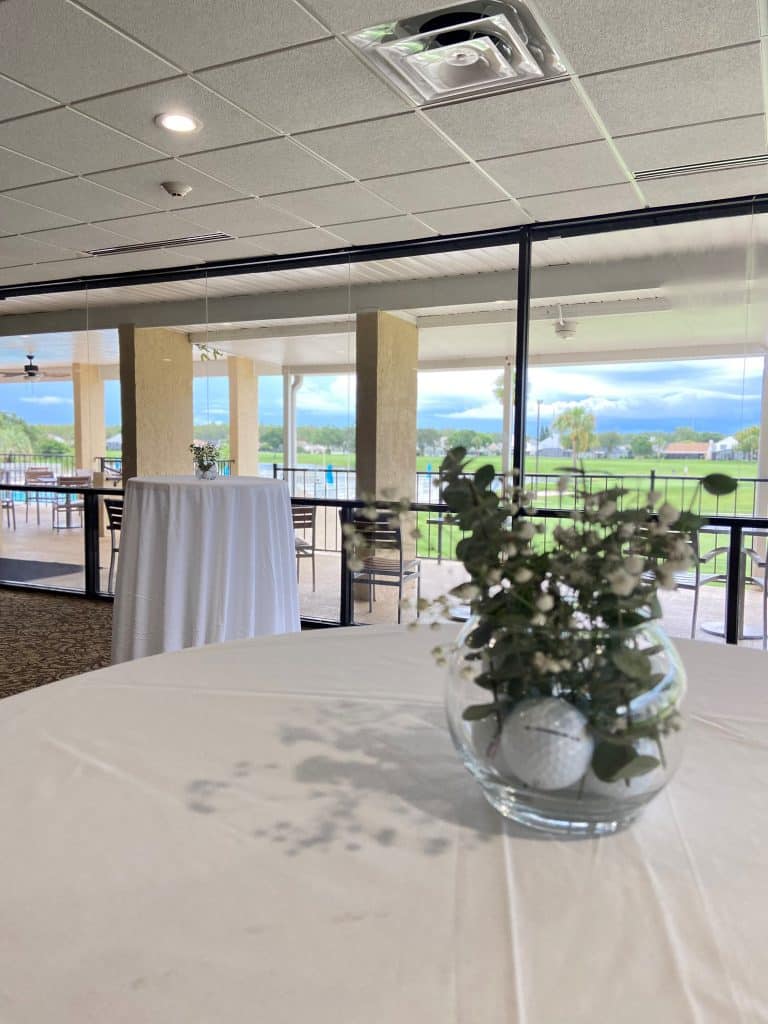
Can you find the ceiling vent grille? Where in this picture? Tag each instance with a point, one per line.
(168, 243)
(459, 51)
(713, 165)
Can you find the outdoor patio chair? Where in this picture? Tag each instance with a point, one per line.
(304, 517)
(36, 476)
(383, 564)
(114, 507)
(694, 579)
(64, 504)
(6, 500)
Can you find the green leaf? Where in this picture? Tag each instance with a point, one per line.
(719, 484)
(634, 664)
(485, 476)
(476, 712)
(614, 761)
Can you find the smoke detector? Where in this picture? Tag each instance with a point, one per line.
(564, 329)
(177, 189)
(462, 50)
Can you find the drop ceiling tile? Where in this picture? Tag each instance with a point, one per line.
(584, 202)
(240, 248)
(388, 229)
(659, 29)
(334, 204)
(277, 165)
(16, 217)
(554, 170)
(80, 238)
(518, 121)
(313, 86)
(311, 240)
(119, 263)
(483, 217)
(16, 100)
(80, 200)
(243, 217)
(134, 110)
(350, 15)
(17, 250)
(152, 227)
(706, 87)
(144, 183)
(72, 141)
(697, 143)
(447, 186)
(691, 188)
(60, 50)
(391, 145)
(28, 274)
(18, 170)
(211, 31)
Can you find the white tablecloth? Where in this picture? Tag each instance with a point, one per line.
(279, 830)
(203, 561)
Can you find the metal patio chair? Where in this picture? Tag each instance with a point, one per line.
(381, 552)
(304, 518)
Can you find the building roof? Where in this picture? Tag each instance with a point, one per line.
(688, 448)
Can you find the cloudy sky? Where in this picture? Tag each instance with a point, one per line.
(717, 394)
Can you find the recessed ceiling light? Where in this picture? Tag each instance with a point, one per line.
(178, 123)
(480, 46)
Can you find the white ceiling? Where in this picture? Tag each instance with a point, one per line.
(304, 147)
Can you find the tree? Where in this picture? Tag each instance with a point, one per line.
(427, 437)
(576, 427)
(641, 445)
(462, 439)
(749, 440)
(609, 440)
(271, 439)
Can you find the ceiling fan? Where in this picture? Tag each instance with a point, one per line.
(564, 329)
(30, 371)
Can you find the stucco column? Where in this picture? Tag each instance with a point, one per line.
(243, 415)
(387, 361)
(156, 400)
(90, 431)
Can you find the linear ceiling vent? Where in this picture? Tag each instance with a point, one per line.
(168, 243)
(462, 50)
(713, 165)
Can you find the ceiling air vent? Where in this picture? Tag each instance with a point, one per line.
(461, 50)
(168, 243)
(713, 165)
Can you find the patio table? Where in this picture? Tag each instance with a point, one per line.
(279, 830)
(203, 561)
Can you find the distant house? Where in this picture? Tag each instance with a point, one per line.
(727, 448)
(115, 443)
(551, 447)
(688, 450)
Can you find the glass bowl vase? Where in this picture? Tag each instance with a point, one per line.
(576, 744)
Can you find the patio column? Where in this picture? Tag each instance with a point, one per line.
(90, 431)
(507, 400)
(761, 493)
(156, 400)
(387, 360)
(243, 415)
(291, 384)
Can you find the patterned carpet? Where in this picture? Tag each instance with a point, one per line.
(45, 637)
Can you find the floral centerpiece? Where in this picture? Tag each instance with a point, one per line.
(205, 455)
(564, 691)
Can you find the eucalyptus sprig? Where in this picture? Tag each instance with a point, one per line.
(204, 454)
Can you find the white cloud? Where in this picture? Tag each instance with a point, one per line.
(46, 400)
(328, 394)
(489, 411)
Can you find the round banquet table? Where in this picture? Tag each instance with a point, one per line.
(201, 562)
(278, 830)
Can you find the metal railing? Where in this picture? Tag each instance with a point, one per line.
(15, 464)
(343, 512)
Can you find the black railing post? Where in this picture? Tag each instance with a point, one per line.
(734, 598)
(346, 601)
(91, 539)
(274, 471)
(521, 354)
